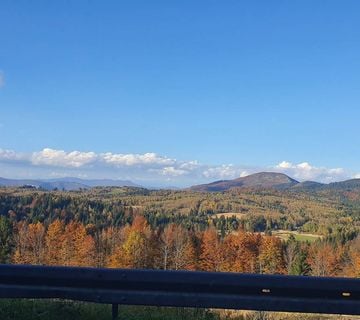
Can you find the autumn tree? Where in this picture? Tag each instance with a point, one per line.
(249, 246)
(106, 240)
(241, 252)
(131, 253)
(271, 255)
(78, 247)
(166, 245)
(30, 243)
(324, 259)
(54, 241)
(211, 257)
(6, 239)
(353, 267)
(191, 252)
(137, 250)
(177, 248)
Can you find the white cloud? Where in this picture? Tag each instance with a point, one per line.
(356, 176)
(150, 167)
(172, 171)
(60, 158)
(136, 159)
(284, 165)
(190, 165)
(244, 173)
(2, 79)
(305, 171)
(11, 155)
(226, 171)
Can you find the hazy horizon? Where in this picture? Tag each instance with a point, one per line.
(195, 172)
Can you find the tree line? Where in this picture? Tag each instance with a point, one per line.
(137, 244)
(254, 210)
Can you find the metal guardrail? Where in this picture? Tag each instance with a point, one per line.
(183, 289)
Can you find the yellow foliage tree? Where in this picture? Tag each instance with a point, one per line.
(271, 257)
(54, 239)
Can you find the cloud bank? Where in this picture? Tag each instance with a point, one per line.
(60, 158)
(305, 171)
(147, 168)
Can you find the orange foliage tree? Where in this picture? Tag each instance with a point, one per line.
(78, 247)
(29, 243)
(54, 240)
(353, 267)
(324, 259)
(241, 252)
(211, 257)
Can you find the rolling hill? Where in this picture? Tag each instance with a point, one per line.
(278, 181)
(264, 180)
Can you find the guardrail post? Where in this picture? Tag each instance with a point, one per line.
(115, 311)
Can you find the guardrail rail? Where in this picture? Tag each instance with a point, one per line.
(183, 289)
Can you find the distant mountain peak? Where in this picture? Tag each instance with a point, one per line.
(271, 177)
(257, 180)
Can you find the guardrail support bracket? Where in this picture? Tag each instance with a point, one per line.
(115, 311)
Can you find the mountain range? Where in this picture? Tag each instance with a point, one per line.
(274, 180)
(261, 180)
(65, 183)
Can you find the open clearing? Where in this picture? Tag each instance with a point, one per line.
(228, 214)
(285, 234)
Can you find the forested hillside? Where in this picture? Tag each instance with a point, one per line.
(139, 228)
(323, 212)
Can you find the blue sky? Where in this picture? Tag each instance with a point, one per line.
(243, 85)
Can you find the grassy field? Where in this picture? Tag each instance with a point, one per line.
(284, 234)
(67, 310)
